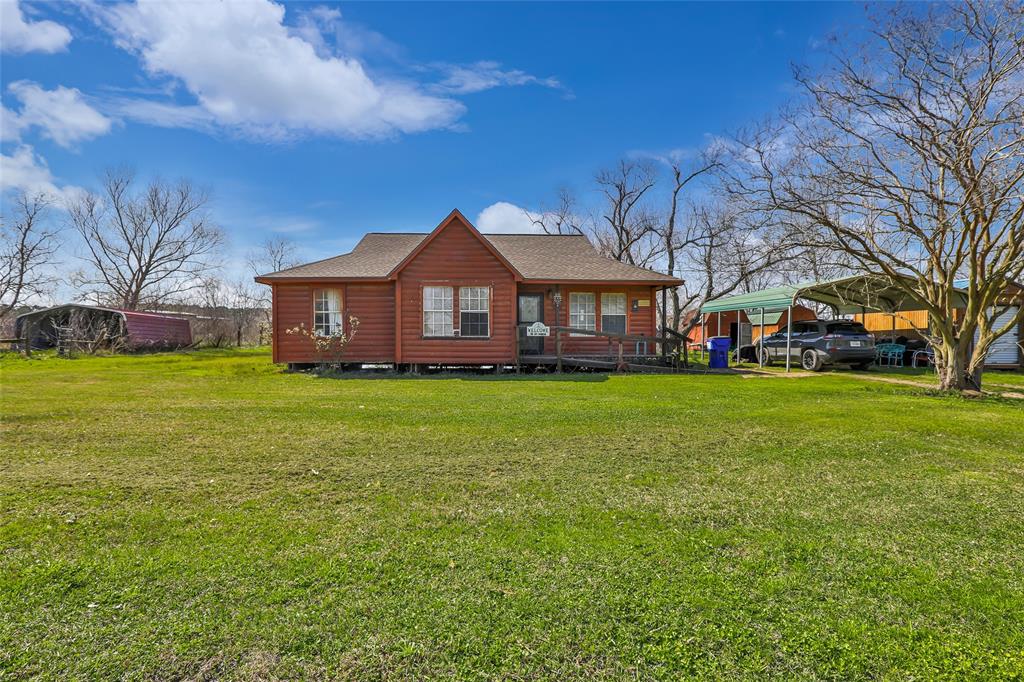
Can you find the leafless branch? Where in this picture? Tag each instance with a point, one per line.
(28, 247)
(147, 248)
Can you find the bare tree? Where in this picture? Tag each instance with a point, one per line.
(274, 254)
(673, 241)
(628, 231)
(28, 246)
(146, 248)
(247, 307)
(211, 326)
(717, 247)
(727, 250)
(907, 157)
(229, 312)
(564, 218)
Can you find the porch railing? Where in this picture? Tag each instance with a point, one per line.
(672, 344)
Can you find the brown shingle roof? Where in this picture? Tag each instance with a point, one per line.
(570, 257)
(535, 256)
(374, 257)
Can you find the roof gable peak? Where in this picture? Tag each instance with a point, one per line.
(453, 217)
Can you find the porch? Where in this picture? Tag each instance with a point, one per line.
(623, 352)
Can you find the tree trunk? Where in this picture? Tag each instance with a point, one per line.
(677, 313)
(952, 364)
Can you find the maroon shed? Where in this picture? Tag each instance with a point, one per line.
(153, 329)
(103, 327)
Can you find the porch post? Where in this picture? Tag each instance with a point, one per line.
(664, 318)
(515, 337)
(789, 335)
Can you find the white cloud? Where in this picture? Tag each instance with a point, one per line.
(17, 35)
(162, 114)
(323, 28)
(505, 218)
(461, 80)
(10, 125)
(253, 75)
(312, 26)
(61, 114)
(25, 171)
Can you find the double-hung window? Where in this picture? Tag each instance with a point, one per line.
(474, 311)
(581, 311)
(437, 311)
(613, 313)
(327, 318)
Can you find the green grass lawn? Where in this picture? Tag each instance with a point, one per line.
(206, 515)
(993, 379)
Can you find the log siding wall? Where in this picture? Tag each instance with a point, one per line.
(643, 320)
(372, 303)
(456, 258)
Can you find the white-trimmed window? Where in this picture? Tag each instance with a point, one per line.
(613, 313)
(581, 311)
(474, 311)
(327, 318)
(437, 311)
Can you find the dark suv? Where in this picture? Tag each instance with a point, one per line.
(817, 343)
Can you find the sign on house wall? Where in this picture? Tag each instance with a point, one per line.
(538, 329)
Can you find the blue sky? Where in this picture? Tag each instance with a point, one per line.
(322, 121)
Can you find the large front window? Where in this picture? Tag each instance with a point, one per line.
(613, 313)
(581, 311)
(474, 311)
(327, 319)
(437, 311)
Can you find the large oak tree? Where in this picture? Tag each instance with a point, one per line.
(147, 247)
(906, 157)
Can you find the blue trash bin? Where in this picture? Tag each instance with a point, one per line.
(719, 356)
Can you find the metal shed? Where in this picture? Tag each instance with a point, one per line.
(102, 327)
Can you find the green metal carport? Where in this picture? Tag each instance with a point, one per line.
(857, 294)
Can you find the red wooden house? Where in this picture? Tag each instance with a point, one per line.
(457, 297)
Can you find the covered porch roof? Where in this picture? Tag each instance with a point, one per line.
(847, 295)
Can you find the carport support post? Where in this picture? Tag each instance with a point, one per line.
(703, 335)
(789, 335)
(760, 337)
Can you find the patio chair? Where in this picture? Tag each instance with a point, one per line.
(890, 354)
(926, 354)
